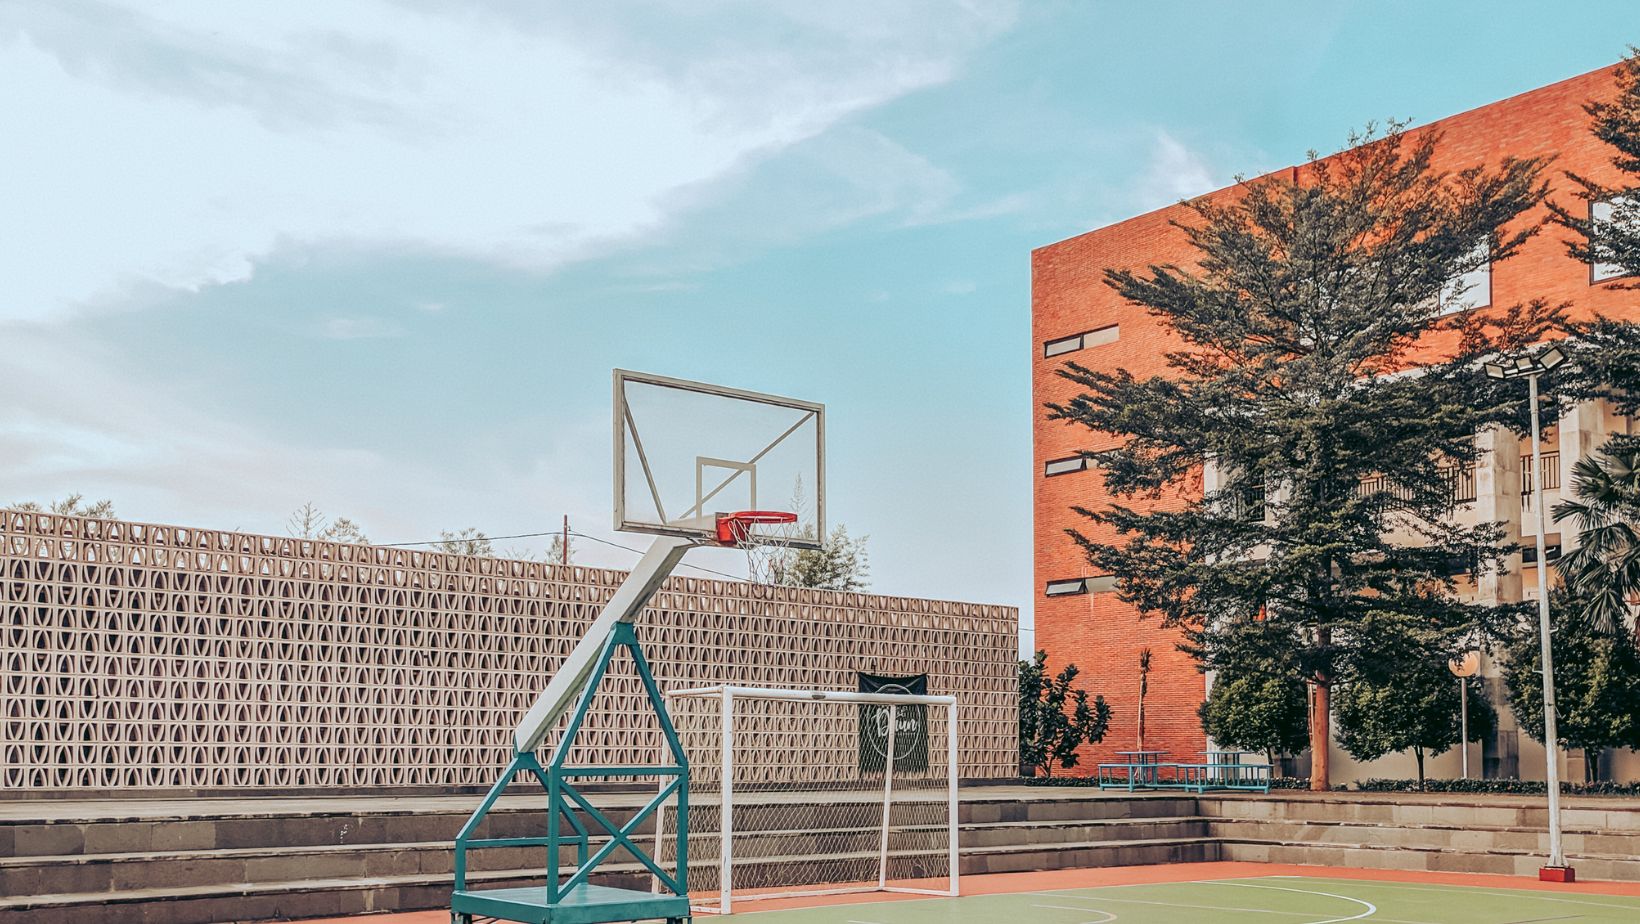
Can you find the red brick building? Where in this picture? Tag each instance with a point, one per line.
(1076, 317)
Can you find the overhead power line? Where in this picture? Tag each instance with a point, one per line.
(555, 532)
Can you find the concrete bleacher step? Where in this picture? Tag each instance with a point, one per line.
(257, 901)
(1435, 859)
(206, 862)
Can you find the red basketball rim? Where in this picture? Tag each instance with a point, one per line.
(735, 528)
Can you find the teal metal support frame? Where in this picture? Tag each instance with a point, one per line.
(573, 899)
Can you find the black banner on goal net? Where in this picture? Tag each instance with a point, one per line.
(911, 734)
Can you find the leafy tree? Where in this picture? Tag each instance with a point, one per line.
(73, 505)
(1255, 712)
(1604, 569)
(1613, 239)
(469, 541)
(1308, 291)
(840, 563)
(1597, 680)
(1408, 699)
(1048, 733)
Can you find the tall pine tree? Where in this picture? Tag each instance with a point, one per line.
(1605, 504)
(1312, 295)
(1607, 220)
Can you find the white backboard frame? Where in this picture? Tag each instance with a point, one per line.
(705, 531)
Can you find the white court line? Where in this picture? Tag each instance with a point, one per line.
(1508, 893)
(1139, 885)
(1134, 901)
(1371, 908)
(1109, 916)
(1140, 901)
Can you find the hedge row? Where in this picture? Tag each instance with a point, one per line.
(1495, 787)
(1505, 787)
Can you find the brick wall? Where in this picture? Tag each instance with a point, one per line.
(1068, 296)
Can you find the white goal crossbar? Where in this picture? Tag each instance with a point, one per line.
(794, 765)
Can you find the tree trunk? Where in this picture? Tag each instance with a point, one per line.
(1141, 746)
(1321, 735)
(1419, 754)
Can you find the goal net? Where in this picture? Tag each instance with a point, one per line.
(797, 792)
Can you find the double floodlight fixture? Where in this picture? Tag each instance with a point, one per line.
(1527, 365)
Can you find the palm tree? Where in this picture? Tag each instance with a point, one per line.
(1605, 568)
(1144, 688)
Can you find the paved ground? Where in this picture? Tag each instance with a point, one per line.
(1202, 893)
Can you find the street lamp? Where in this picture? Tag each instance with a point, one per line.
(1464, 667)
(1530, 368)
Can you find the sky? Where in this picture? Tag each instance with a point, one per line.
(381, 255)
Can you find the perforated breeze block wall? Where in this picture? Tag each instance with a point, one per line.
(142, 657)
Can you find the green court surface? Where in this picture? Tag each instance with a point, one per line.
(1271, 899)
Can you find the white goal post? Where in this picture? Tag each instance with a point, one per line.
(814, 792)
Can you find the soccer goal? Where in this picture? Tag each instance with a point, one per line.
(800, 792)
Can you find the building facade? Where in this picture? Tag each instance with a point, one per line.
(1076, 317)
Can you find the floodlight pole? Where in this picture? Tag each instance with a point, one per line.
(1531, 368)
(1551, 736)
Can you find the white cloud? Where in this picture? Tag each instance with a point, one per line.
(1175, 172)
(74, 418)
(176, 145)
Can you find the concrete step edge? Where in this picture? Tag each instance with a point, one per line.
(129, 896)
(217, 890)
(1087, 845)
(1397, 848)
(1378, 826)
(386, 846)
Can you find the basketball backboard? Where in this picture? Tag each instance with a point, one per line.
(688, 452)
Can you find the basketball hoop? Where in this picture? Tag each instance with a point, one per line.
(734, 529)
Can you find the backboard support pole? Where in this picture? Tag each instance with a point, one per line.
(574, 896)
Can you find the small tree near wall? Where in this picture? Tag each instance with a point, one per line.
(1054, 719)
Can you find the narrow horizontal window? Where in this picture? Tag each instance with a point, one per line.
(1617, 214)
(1065, 466)
(1066, 588)
(1103, 583)
(1062, 346)
(1551, 549)
(1082, 341)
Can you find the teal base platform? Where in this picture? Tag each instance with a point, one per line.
(583, 904)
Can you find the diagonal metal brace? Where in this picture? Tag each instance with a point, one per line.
(620, 836)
